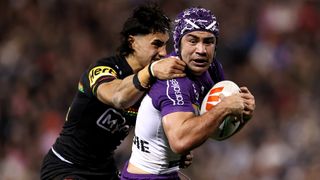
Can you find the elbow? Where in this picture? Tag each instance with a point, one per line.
(124, 101)
(120, 103)
(117, 102)
(185, 145)
(117, 97)
(118, 106)
(179, 147)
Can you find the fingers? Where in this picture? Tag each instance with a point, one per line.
(168, 68)
(178, 75)
(244, 89)
(174, 61)
(234, 103)
(186, 164)
(177, 63)
(247, 96)
(189, 156)
(249, 102)
(186, 160)
(241, 104)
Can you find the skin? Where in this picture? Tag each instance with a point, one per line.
(197, 51)
(186, 131)
(121, 93)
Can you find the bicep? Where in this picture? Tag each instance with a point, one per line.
(106, 91)
(173, 124)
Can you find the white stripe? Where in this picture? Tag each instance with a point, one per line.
(60, 157)
(211, 25)
(167, 92)
(191, 23)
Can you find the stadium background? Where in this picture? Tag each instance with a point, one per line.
(268, 45)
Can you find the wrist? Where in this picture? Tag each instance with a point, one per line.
(151, 72)
(144, 77)
(137, 83)
(151, 69)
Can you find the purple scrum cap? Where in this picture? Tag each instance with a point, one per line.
(193, 19)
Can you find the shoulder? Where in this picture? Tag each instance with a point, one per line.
(102, 70)
(170, 90)
(171, 84)
(102, 67)
(110, 62)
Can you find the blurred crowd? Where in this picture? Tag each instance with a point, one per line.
(270, 46)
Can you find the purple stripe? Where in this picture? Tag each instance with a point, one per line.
(125, 175)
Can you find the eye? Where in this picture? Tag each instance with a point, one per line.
(158, 43)
(193, 41)
(209, 41)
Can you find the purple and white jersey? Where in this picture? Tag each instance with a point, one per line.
(151, 150)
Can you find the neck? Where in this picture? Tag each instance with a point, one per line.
(134, 63)
(191, 73)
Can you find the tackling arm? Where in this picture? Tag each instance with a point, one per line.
(122, 93)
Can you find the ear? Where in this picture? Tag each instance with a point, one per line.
(131, 40)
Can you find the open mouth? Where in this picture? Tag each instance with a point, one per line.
(200, 62)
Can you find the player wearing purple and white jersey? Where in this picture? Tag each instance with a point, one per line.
(168, 123)
(150, 144)
(105, 106)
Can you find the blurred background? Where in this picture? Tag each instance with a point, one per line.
(270, 46)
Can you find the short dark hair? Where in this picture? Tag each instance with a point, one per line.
(145, 19)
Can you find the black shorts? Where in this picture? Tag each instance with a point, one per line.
(54, 169)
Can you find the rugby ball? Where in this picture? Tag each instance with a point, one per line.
(230, 124)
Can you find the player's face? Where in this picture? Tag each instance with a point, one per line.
(150, 47)
(197, 50)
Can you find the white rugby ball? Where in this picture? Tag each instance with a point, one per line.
(230, 123)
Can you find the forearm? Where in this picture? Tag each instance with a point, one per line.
(233, 105)
(126, 94)
(193, 131)
(208, 123)
(123, 93)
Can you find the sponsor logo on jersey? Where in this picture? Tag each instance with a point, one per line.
(100, 71)
(177, 92)
(112, 121)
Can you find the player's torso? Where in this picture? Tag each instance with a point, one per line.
(92, 129)
(150, 143)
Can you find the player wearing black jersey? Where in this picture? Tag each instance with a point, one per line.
(105, 105)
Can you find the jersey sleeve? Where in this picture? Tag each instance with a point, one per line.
(172, 96)
(100, 73)
(96, 74)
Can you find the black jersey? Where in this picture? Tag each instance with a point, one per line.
(93, 130)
